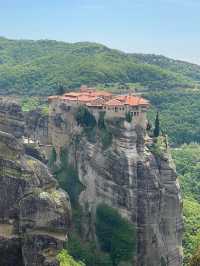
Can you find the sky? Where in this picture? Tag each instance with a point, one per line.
(167, 27)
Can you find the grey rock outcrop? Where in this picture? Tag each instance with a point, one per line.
(131, 177)
(34, 212)
(11, 117)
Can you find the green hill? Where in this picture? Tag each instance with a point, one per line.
(37, 67)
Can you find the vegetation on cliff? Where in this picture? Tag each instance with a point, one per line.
(66, 174)
(115, 234)
(66, 260)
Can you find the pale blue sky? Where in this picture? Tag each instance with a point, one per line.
(168, 27)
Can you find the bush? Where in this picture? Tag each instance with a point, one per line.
(106, 138)
(87, 252)
(66, 260)
(67, 176)
(115, 234)
(101, 121)
(129, 117)
(84, 118)
(195, 261)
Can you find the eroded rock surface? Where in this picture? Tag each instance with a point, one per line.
(34, 212)
(129, 176)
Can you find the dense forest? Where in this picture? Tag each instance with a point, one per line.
(38, 67)
(187, 159)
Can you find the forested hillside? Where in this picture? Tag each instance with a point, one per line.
(38, 67)
(187, 159)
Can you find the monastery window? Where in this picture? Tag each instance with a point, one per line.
(116, 109)
(135, 113)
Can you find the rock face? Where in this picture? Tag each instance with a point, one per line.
(11, 118)
(34, 212)
(130, 176)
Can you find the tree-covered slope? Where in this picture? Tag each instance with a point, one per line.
(37, 67)
(187, 159)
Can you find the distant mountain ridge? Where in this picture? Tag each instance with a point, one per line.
(37, 67)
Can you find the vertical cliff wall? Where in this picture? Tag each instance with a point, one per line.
(131, 174)
(34, 212)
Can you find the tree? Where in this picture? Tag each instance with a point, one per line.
(60, 89)
(85, 118)
(157, 126)
(195, 260)
(115, 234)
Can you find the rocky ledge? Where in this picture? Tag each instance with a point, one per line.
(34, 212)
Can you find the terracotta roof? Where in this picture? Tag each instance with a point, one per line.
(84, 98)
(132, 100)
(114, 102)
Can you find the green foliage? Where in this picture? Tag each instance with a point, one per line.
(32, 103)
(163, 262)
(85, 118)
(129, 117)
(188, 165)
(37, 67)
(66, 260)
(101, 121)
(67, 176)
(179, 114)
(106, 138)
(105, 134)
(195, 260)
(53, 158)
(159, 146)
(191, 239)
(60, 90)
(115, 234)
(156, 131)
(87, 252)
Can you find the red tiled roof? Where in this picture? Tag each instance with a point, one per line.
(114, 102)
(132, 100)
(84, 98)
(101, 93)
(89, 96)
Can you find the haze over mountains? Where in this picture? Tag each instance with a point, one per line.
(37, 67)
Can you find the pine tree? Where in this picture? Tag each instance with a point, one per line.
(157, 126)
(60, 89)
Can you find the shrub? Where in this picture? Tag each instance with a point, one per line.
(53, 158)
(85, 118)
(66, 260)
(87, 252)
(195, 260)
(106, 138)
(101, 121)
(67, 176)
(115, 234)
(129, 117)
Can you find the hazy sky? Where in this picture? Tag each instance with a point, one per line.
(168, 27)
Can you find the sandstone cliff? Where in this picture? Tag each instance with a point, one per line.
(34, 212)
(131, 174)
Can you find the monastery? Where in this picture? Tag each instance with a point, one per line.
(94, 100)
